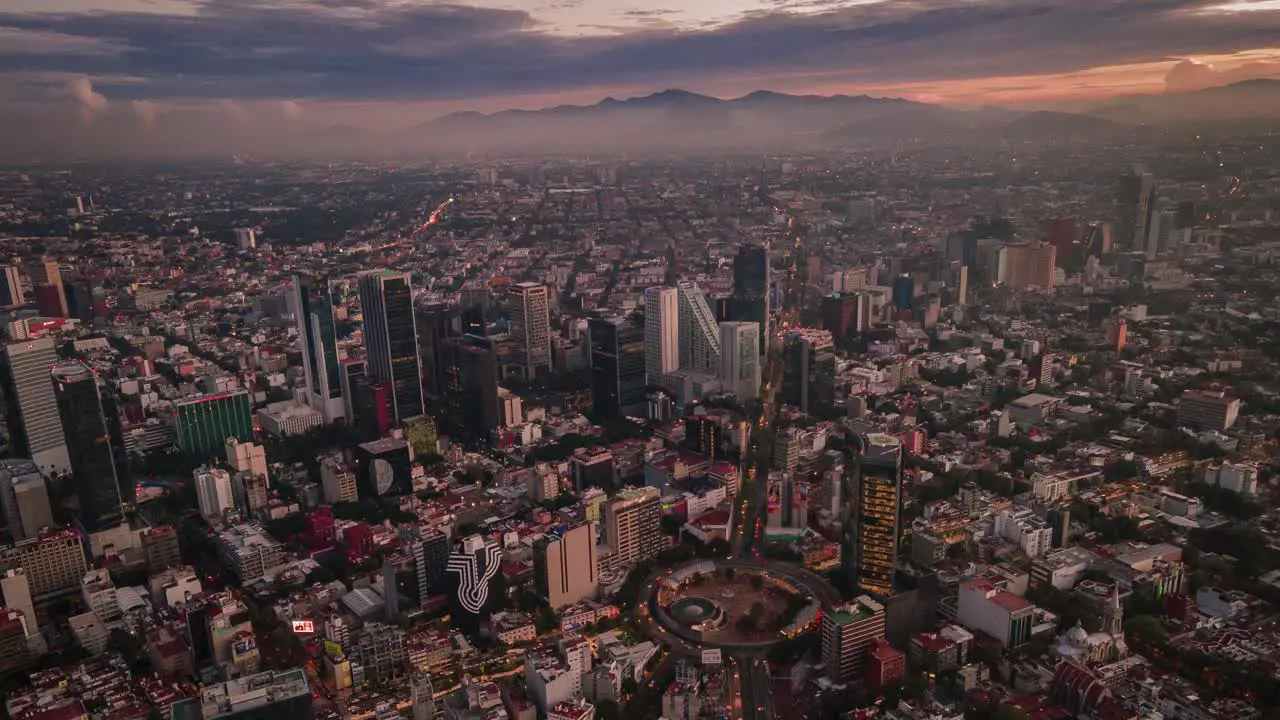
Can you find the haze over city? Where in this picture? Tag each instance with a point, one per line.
(168, 73)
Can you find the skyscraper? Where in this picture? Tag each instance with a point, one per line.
(565, 565)
(10, 286)
(531, 326)
(740, 359)
(1137, 197)
(617, 368)
(46, 283)
(661, 333)
(751, 280)
(808, 370)
(35, 431)
(471, 385)
(25, 499)
(699, 334)
(313, 303)
(632, 522)
(99, 470)
(391, 339)
(872, 525)
(845, 315)
(904, 288)
(436, 323)
(1027, 265)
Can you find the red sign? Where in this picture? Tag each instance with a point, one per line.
(304, 626)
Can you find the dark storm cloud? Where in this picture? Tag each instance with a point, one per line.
(372, 49)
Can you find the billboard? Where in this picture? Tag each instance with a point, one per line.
(711, 657)
(774, 493)
(304, 626)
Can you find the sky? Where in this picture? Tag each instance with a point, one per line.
(392, 60)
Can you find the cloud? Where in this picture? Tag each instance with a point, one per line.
(87, 101)
(290, 109)
(391, 50)
(146, 111)
(1190, 75)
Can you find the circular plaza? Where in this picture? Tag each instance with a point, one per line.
(736, 603)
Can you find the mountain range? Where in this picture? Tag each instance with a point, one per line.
(678, 119)
(669, 121)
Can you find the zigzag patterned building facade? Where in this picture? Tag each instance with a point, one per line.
(475, 566)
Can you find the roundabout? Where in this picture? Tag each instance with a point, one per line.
(747, 605)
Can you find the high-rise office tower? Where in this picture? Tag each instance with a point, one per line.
(699, 333)
(632, 522)
(98, 464)
(1137, 197)
(86, 300)
(391, 339)
(10, 286)
(904, 288)
(872, 527)
(531, 326)
(46, 283)
(848, 634)
(471, 385)
(740, 359)
(436, 323)
(1026, 265)
(808, 370)
(202, 424)
(661, 333)
(313, 305)
(751, 280)
(565, 565)
(617, 368)
(846, 315)
(35, 431)
(25, 499)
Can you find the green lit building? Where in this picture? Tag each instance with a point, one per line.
(201, 425)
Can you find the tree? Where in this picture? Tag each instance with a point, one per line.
(547, 619)
(629, 686)
(608, 710)
(757, 582)
(728, 574)
(1147, 629)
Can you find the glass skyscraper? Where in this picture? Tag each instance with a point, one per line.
(872, 525)
(98, 465)
(314, 302)
(617, 368)
(391, 339)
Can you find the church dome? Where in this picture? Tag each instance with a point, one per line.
(1076, 636)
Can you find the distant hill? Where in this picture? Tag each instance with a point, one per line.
(679, 119)
(1249, 99)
